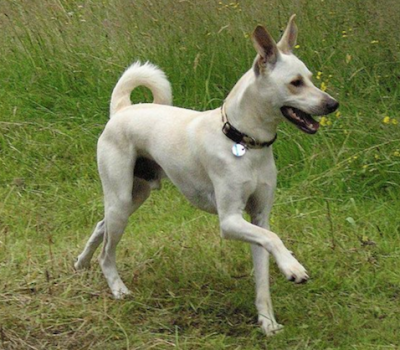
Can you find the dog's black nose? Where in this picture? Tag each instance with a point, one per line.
(332, 105)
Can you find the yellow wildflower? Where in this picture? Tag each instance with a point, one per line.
(386, 120)
(324, 121)
(297, 47)
(396, 153)
(319, 75)
(323, 86)
(394, 121)
(338, 114)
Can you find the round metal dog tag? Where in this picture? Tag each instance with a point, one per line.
(238, 150)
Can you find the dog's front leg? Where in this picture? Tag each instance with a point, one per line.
(264, 242)
(259, 211)
(234, 226)
(266, 318)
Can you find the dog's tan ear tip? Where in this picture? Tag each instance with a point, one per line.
(259, 31)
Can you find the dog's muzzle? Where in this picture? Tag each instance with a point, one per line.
(305, 121)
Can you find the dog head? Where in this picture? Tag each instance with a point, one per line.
(284, 82)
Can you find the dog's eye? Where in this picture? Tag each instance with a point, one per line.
(297, 82)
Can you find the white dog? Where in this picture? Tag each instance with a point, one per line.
(221, 160)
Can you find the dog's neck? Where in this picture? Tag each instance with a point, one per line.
(248, 113)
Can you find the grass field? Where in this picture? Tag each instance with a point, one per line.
(337, 206)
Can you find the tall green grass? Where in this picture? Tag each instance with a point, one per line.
(336, 206)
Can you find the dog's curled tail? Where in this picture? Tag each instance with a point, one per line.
(147, 75)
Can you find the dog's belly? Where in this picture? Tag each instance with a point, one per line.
(195, 187)
(202, 200)
(198, 193)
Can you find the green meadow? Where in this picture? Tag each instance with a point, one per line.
(337, 205)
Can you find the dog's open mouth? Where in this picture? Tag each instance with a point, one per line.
(301, 119)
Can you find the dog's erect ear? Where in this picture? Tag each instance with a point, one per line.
(289, 37)
(265, 46)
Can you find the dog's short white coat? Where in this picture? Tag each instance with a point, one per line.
(190, 149)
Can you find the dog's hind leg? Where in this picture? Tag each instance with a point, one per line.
(94, 241)
(118, 210)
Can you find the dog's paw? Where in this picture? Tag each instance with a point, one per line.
(269, 327)
(294, 271)
(121, 293)
(81, 264)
